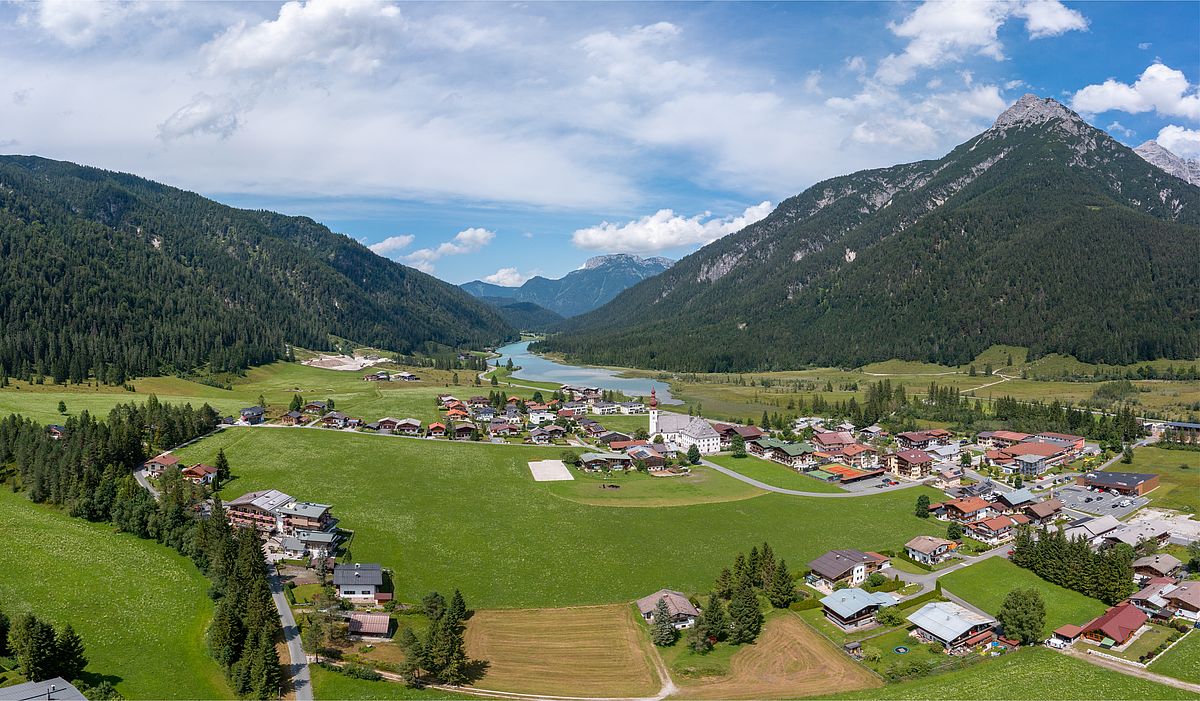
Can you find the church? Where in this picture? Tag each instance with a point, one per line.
(683, 431)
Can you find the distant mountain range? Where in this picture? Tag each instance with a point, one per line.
(1183, 168)
(598, 281)
(524, 316)
(111, 275)
(1042, 231)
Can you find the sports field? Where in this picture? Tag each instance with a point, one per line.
(585, 651)
(445, 514)
(987, 582)
(1181, 661)
(140, 608)
(1179, 476)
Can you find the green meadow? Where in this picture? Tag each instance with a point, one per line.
(1179, 476)
(773, 473)
(1181, 661)
(444, 514)
(140, 608)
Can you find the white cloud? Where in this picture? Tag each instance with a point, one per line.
(1160, 88)
(392, 244)
(1120, 129)
(1145, 45)
(507, 277)
(856, 64)
(947, 31)
(79, 23)
(812, 82)
(1180, 140)
(1014, 84)
(465, 241)
(205, 114)
(665, 229)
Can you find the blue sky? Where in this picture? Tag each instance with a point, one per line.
(501, 140)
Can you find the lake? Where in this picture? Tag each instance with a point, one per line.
(536, 367)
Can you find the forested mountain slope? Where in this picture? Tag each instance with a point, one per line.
(1042, 232)
(524, 316)
(579, 291)
(111, 275)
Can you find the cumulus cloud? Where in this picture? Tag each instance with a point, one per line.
(79, 24)
(507, 277)
(466, 241)
(946, 32)
(1119, 129)
(392, 244)
(1180, 140)
(205, 114)
(665, 229)
(1160, 88)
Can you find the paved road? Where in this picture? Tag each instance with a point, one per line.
(796, 492)
(301, 680)
(140, 476)
(927, 580)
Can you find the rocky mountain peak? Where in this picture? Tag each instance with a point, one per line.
(1031, 110)
(614, 258)
(1157, 155)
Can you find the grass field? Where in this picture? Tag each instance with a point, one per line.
(329, 685)
(1178, 487)
(987, 582)
(703, 485)
(446, 515)
(788, 660)
(1031, 673)
(587, 651)
(141, 609)
(1181, 661)
(773, 473)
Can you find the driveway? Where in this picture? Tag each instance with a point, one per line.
(927, 580)
(301, 680)
(796, 492)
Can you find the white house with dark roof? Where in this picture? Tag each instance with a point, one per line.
(358, 582)
(683, 613)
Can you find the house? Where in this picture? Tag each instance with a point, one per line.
(304, 516)
(856, 455)
(1001, 439)
(950, 477)
(199, 474)
(1075, 444)
(632, 408)
(1136, 534)
(257, 509)
(555, 431)
(540, 436)
(1068, 633)
(314, 407)
(292, 418)
(601, 461)
(1044, 512)
(929, 550)
(945, 453)
(968, 509)
(797, 456)
(408, 427)
(1091, 528)
(913, 464)
(804, 422)
(954, 626)
(484, 413)
(997, 529)
(335, 419)
(1151, 598)
(157, 464)
(683, 431)
(53, 689)
(541, 416)
(1015, 500)
(406, 376)
(56, 432)
(1127, 483)
(1157, 565)
(610, 437)
(457, 413)
(1029, 458)
(854, 608)
(683, 612)
(652, 459)
(478, 401)
(849, 566)
(728, 432)
(605, 408)
(357, 582)
(309, 544)
(1184, 600)
(375, 625)
(503, 428)
(436, 430)
(253, 414)
(387, 423)
(463, 431)
(1115, 626)
(920, 440)
(872, 432)
(833, 440)
(381, 376)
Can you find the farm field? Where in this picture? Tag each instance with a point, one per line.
(773, 473)
(441, 504)
(987, 582)
(1031, 673)
(788, 660)
(329, 685)
(140, 608)
(703, 485)
(1181, 661)
(586, 651)
(1178, 487)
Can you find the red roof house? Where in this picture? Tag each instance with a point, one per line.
(1119, 623)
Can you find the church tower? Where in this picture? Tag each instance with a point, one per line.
(653, 404)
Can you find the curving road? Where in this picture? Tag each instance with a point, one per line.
(798, 493)
(299, 674)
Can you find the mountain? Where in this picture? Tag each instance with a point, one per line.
(579, 291)
(1042, 231)
(525, 316)
(113, 275)
(1183, 168)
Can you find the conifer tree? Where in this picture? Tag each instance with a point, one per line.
(782, 590)
(724, 584)
(744, 616)
(222, 465)
(754, 566)
(456, 611)
(70, 659)
(414, 655)
(922, 508)
(716, 621)
(663, 632)
(31, 641)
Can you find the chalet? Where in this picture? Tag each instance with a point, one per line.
(728, 432)
(310, 544)
(303, 516)
(1067, 634)
(375, 625)
(253, 414)
(453, 404)
(1001, 439)
(849, 566)
(436, 430)
(911, 464)
(1135, 535)
(463, 431)
(954, 626)
(632, 408)
(478, 401)
(997, 529)
(1015, 500)
(854, 608)
(257, 510)
(650, 457)
(920, 440)
(1115, 626)
(358, 582)
(541, 416)
(406, 377)
(408, 427)
(945, 453)
(56, 432)
(929, 550)
(540, 436)
(622, 445)
(292, 418)
(683, 613)
(1043, 512)
(833, 440)
(610, 437)
(845, 426)
(444, 399)
(872, 432)
(555, 431)
(968, 510)
(797, 456)
(1151, 598)
(950, 477)
(603, 461)
(1157, 565)
(1184, 600)
(484, 413)
(593, 429)
(199, 474)
(314, 407)
(157, 464)
(335, 419)
(856, 455)
(387, 423)
(457, 413)
(503, 428)
(1127, 483)
(380, 376)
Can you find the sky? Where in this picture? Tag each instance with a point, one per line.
(499, 140)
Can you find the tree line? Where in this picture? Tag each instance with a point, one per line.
(1106, 575)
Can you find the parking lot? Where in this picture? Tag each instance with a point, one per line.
(1100, 503)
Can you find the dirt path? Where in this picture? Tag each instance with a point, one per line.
(1132, 671)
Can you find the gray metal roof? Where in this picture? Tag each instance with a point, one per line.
(947, 620)
(847, 602)
(56, 689)
(357, 574)
(267, 499)
(304, 508)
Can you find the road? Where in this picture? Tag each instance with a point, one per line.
(1131, 670)
(928, 580)
(301, 679)
(142, 479)
(796, 492)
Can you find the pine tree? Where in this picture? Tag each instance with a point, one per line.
(699, 639)
(767, 565)
(744, 616)
(693, 454)
(716, 621)
(4, 626)
(754, 566)
(31, 642)
(724, 584)
(434, 605)
(663, 632)
(222, 465)
(456, 611)
(782, 590)
(414, 655)
(297, 403)
(922, 507)
(739, 446)
(70, 659)
(1022, 615)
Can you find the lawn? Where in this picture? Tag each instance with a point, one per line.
(444, 515)
(702, 485)
(335, 686)
(1178, 486)
(593, 651)
(987, 582)
(1181, 661)
(773, 473)
(140, 608)
(1031, 673)
(1152, 637)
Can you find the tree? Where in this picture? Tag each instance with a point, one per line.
(890, 616)
(715, 620)
(297, 403)
(31, 642)
(1022, 615)
(1127, 454)
(62, 407)
(329, 404)
(414, 655)
(693, 454)
(222, 465)
(739, 446)
(69, 654)
(434, 605)
(1018, 482)
(4, 625)
(964, 458)
(104, 691)
(745, 618)
(724, 584)
(456, 611)
(315, 635)
(699, 640)
(663, 632)
(954, 531)
(922, 508)
(782, 590)
(876, 579)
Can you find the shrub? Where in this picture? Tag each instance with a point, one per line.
(871, 654)
(358, 671)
